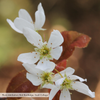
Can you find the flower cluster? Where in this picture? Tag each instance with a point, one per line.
(39, 63)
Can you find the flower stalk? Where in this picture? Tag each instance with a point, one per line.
(58, 73)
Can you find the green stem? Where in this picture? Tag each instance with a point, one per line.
(58, 73)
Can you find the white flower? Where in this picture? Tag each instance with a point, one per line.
(44, 51)
(25, 20)
(38, 77)
(67, 82)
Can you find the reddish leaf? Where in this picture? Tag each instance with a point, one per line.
(82, 41)
(62, 63)
(19, 84)
(60, 66)
(56, 97)
(72, 39)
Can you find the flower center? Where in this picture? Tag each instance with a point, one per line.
(66, 84)
(46, 78)
(44, 51)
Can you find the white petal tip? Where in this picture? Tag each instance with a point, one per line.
(8, 20)
(40, 4)
(93, 95)
(21, 9)
(85, 80)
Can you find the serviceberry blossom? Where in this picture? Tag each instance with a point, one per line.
(44, 51)
(66, 81)
(25, 20)
(39, 77)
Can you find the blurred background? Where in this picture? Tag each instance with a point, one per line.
(77, 15)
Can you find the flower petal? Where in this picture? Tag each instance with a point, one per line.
(75, 77)
(39, 17)
(33, 37)
(21, 23)
(68, 71)
(56, 39)
(34, 79)
(25, 15)
(56, 77)
(83, 88)
(28, 57)
(53, 92)
(13, 26)
(59, 81)
(49, 86)
(65, 95)
(31, 69)
(46, 65)
(56, 52)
